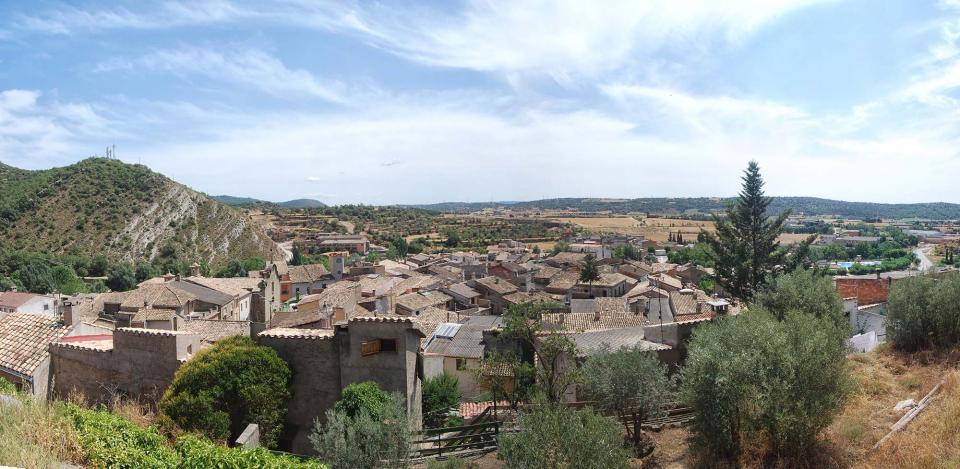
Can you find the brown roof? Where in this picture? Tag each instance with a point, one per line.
(236, 287)
(563, 281)
(578, 322)
(420, 300)
(523, 297)
(157, 296)
(546, 272)
(24, 339)
(463, 290)
(568, 258)
(497, 285)
(12, 299)
(307, 273)
(607, 280)
(212, 330)
(287, 333)
(151, 314)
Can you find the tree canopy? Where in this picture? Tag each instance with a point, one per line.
(228, 386)
(745, 246)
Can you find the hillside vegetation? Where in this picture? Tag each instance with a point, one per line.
(101, 206)
(671, 205)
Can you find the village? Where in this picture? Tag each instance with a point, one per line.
(358, 316)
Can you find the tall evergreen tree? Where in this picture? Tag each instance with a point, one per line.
(745, 246)
(589, 271)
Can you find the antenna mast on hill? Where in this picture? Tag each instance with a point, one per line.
(111, 152)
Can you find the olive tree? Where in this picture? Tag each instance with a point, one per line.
(554, 436)
(630, 382)
(923, 312)
(752, 377)
(375, 436)
(802, 290)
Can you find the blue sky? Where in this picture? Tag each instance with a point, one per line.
(416, 102)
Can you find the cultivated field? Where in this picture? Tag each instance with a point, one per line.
(657, 229)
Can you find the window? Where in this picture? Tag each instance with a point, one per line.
(375, 346)
(461, 364)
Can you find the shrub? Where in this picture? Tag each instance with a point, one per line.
(363, 397)
(440, 396)
(753, 378)
(364, 440)
(228, 386)
(34, 433)
(630, 382)
(121, 277)
(802, 290)
(199, 453)
(109, 440)
(924, 313)
(556, 436)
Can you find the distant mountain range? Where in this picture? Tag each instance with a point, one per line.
(104, 206)
(247, 202)
(679, 206)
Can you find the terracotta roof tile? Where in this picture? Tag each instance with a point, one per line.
(24, 339)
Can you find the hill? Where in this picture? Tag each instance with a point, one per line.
(248, 202)
(101, 206)
(666, 205)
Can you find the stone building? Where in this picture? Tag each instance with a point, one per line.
(385, 350)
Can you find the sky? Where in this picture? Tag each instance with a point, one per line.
(399, 102)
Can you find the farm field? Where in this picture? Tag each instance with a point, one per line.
(657, 229)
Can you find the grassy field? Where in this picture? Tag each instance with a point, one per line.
(656, 229)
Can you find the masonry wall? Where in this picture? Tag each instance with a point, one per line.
(868, 291)
(393, 371)
(315, 386)
(140, 365)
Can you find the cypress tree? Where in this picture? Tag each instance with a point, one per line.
(745, 247)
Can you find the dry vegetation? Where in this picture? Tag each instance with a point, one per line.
(883, 378)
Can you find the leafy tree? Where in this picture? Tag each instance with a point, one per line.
(923, 313)
(99, 266)
(440, 396)
(753, 379)
(559, 247)
(297, 258)
(66, 281)
(144, 271)
(555, 436)
(554, 354)
(507, 377)
(253, 263)
(363, 397)
(745, 245)
(802, 290)
(228, 386)
(233, 269)
(120, 277)
(536, 249)
(626, 252)
(36, 277)
(364, 440)
(589, 271)
(630, 382)
(453, 239)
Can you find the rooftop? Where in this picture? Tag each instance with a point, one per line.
(24, 339)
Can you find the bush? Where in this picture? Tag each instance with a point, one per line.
(199, 453)
(363, 397)
(363, 440)
(7, 388)
(121, 277)
(440, 396)
(802, 290)
(924, 313)
(109, 440)
(630, 382)
(556, 436)
(228, 386)
(755, 379)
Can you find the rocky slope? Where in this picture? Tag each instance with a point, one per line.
(101, 206)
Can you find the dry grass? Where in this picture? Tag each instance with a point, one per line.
(34, 434)
(657, 229)
(931, 440)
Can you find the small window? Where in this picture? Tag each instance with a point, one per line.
(46, 306)
(461, 364)
(375, 346)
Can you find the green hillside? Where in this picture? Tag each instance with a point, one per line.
(102, 206)
(249, 202)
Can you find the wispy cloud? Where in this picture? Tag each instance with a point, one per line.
(249, 67)
(68, 20)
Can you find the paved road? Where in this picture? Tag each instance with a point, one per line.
(925, 262)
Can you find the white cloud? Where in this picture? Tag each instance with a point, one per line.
(68, 20)
(249, 67)
(35, 131)
(564, 39)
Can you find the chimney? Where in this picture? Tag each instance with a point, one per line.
(596, 316)
(69, 319)
(195, 270)
(699, 307)
(562, 317)
(496, 280)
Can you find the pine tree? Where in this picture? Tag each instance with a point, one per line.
(589, 272)
(745, 247)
